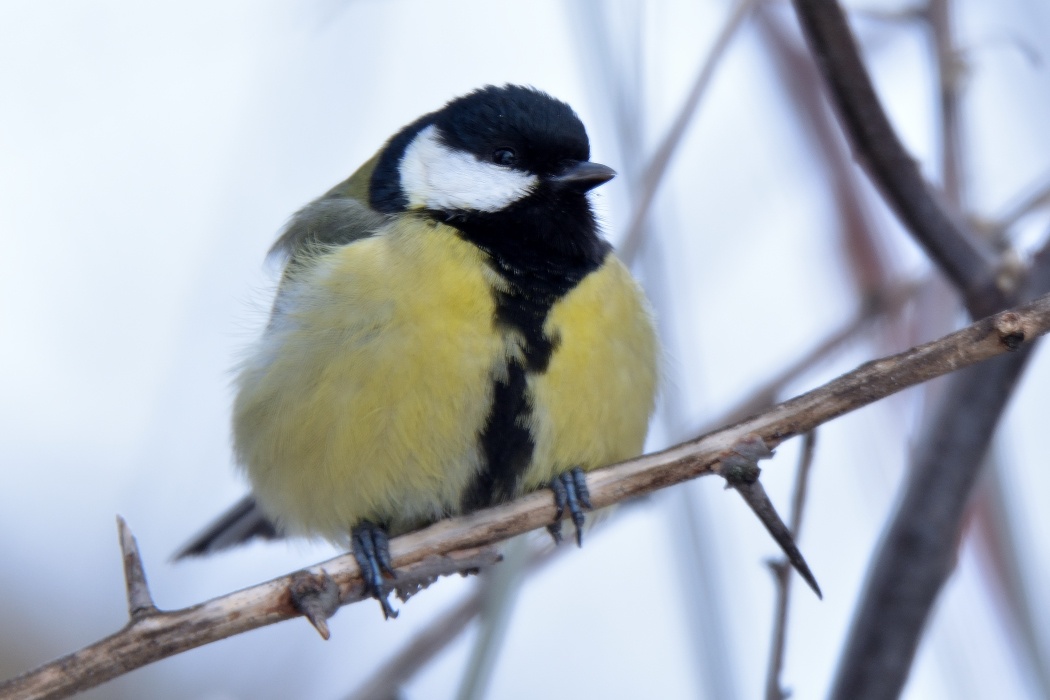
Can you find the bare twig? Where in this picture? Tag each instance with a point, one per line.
(995, 533)
(864, 253)
(905, 14)
(161, 634)
(657, 166)
(500, 592)
(917, 553)
(442, 547)
(993, 524)
(963, 257)
(782, 573)
(950, 72)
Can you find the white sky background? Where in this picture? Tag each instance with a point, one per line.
(150, 152)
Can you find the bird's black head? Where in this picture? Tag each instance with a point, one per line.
(508, 166)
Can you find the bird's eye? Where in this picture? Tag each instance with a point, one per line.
(504, 156)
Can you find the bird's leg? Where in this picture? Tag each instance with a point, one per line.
(372, 551)
(570, 489)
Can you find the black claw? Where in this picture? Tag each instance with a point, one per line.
(560, 497)
(579, 479)
(570, 490)
(372, 551)
(574, 506)
(382, 547)
(555, 530)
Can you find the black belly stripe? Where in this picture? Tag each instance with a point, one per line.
(507, 445)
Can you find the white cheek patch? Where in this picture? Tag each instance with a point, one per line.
(434, 176)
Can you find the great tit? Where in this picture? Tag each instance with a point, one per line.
(450, 332)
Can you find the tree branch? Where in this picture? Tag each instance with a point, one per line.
(440, 548)
(964, 258)
(950, 72)
(917, 554)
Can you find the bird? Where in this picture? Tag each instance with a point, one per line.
(450, 331)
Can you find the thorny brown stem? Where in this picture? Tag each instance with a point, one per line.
(443, 544)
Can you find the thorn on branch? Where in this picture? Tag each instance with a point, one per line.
(317, 597)
(740, 470)
(140, 602)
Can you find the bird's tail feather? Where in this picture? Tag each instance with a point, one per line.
(241, 523)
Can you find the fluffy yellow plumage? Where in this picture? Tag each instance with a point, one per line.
(365, 398)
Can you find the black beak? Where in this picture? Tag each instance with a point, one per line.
(583, 176)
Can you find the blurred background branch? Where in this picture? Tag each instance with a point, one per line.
(917, 553)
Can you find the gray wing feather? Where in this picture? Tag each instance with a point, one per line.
(332, 220)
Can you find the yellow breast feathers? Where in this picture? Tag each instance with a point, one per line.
(367, 396)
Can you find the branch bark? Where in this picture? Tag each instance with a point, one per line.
(440, 548)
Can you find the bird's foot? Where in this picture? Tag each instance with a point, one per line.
(570, 489)
(372, 551)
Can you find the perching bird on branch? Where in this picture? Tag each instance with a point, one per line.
(450, 332)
